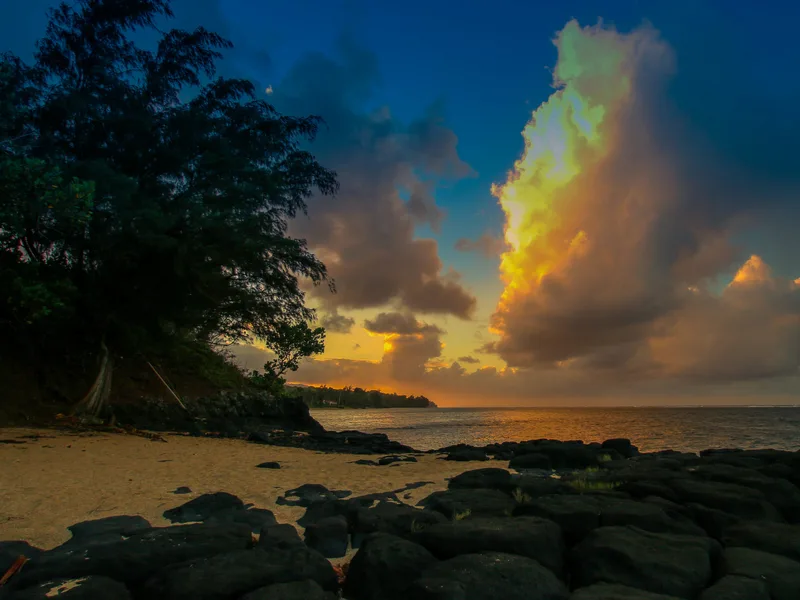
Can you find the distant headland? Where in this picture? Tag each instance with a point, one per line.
(354, 397)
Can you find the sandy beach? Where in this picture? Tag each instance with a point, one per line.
(61, 478)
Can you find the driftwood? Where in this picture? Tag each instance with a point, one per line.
(13, 569)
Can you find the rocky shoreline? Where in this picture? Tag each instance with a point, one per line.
(566, 520)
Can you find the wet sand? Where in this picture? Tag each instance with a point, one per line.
(61, 478)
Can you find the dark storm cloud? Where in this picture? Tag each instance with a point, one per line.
(366, 234)
(398, 324)
(487, 244)
(336, 323)
(468, 359)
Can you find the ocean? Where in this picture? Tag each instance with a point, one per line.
(651, 428)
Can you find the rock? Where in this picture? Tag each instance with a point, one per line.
(388, 460)
(712, 520)
(532, 537)
(459, 504)
(137, 557)
(491, 479)
(467, 454)
(488, 576)
(269, 465)
(366, 461)
(398, 519)
(255, 518)
(182, 490)
(328, 536)
(642, 489)
(119, 525)
(283, 537)
(309, 493)
(10, 551)
(563, 455)
(775, 538)
(233, 574)
(613, 591)
(528, 487)
(94, 587)
(202, 507)
(621, 445)
(738, 500)
(782, 575)
(734, 587)
(581, 513)
(384, 567)
(534, 460)
(294, 590)
(674, 565)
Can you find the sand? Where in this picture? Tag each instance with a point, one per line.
(61, 478)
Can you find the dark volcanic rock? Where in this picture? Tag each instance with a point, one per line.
(282, 537)
(11, 550)
(562, 455)
(735, 587)
(581, 513)
(781, 574)
(294, 590)
(488, 576)
(119, 525)
(388, 460)
(203, 507)
(137, 557)
(255, 518)
(775, 538)
(94, 587)
(532, 537)
(388, 517)
(491, 478)
(269, 465)
(467, 454)
(621, 445)
(614, 591)
(354, 442)
(233, 574)
(534, 460)
(328, 536)
(674, 565)
(738, 500)
(310, 493)
(182, 490)
(461, 503)
(384, 567)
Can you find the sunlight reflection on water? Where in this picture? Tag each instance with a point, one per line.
(680, 428)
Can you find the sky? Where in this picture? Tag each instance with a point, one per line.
(541, 203)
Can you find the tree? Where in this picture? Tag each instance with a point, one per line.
(290, 343)
(170, 221)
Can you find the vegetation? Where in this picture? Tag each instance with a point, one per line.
(144, 204)
(350, 397)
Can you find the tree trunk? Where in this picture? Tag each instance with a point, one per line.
(95, 399)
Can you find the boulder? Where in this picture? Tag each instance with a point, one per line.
(94, 587)
(255, 518)
(535, 460)
(669, 564)
(294, 590)
(108, 527)
(735, 587)
(712, 520)
(309, 493)
(328, 536)
(388, 517)
(467, 454)
(269, 465)
(734, 499)
(780, 574)
(388, 460)
(564, 455)
(488, 576)
(233, 574)
(614, 591)
(203, 507)
(531, 537)
(458, 504)
(775, 538)
(621, 445)
(137, 557)
(384, 567)
(182, 490)
(282, 537)
(491, 479)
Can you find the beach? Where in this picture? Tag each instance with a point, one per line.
(61, 477)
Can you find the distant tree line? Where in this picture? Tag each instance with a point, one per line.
(350, 397)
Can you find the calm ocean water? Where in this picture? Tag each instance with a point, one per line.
(680, 428)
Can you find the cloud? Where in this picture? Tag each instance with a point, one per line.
(366, 234)
(468, 359)
(336, 323)
(398, 324)
(487, 244)
(614, 213)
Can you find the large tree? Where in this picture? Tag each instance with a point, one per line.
(143, 198)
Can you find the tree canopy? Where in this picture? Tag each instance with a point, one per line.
(143, 198)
